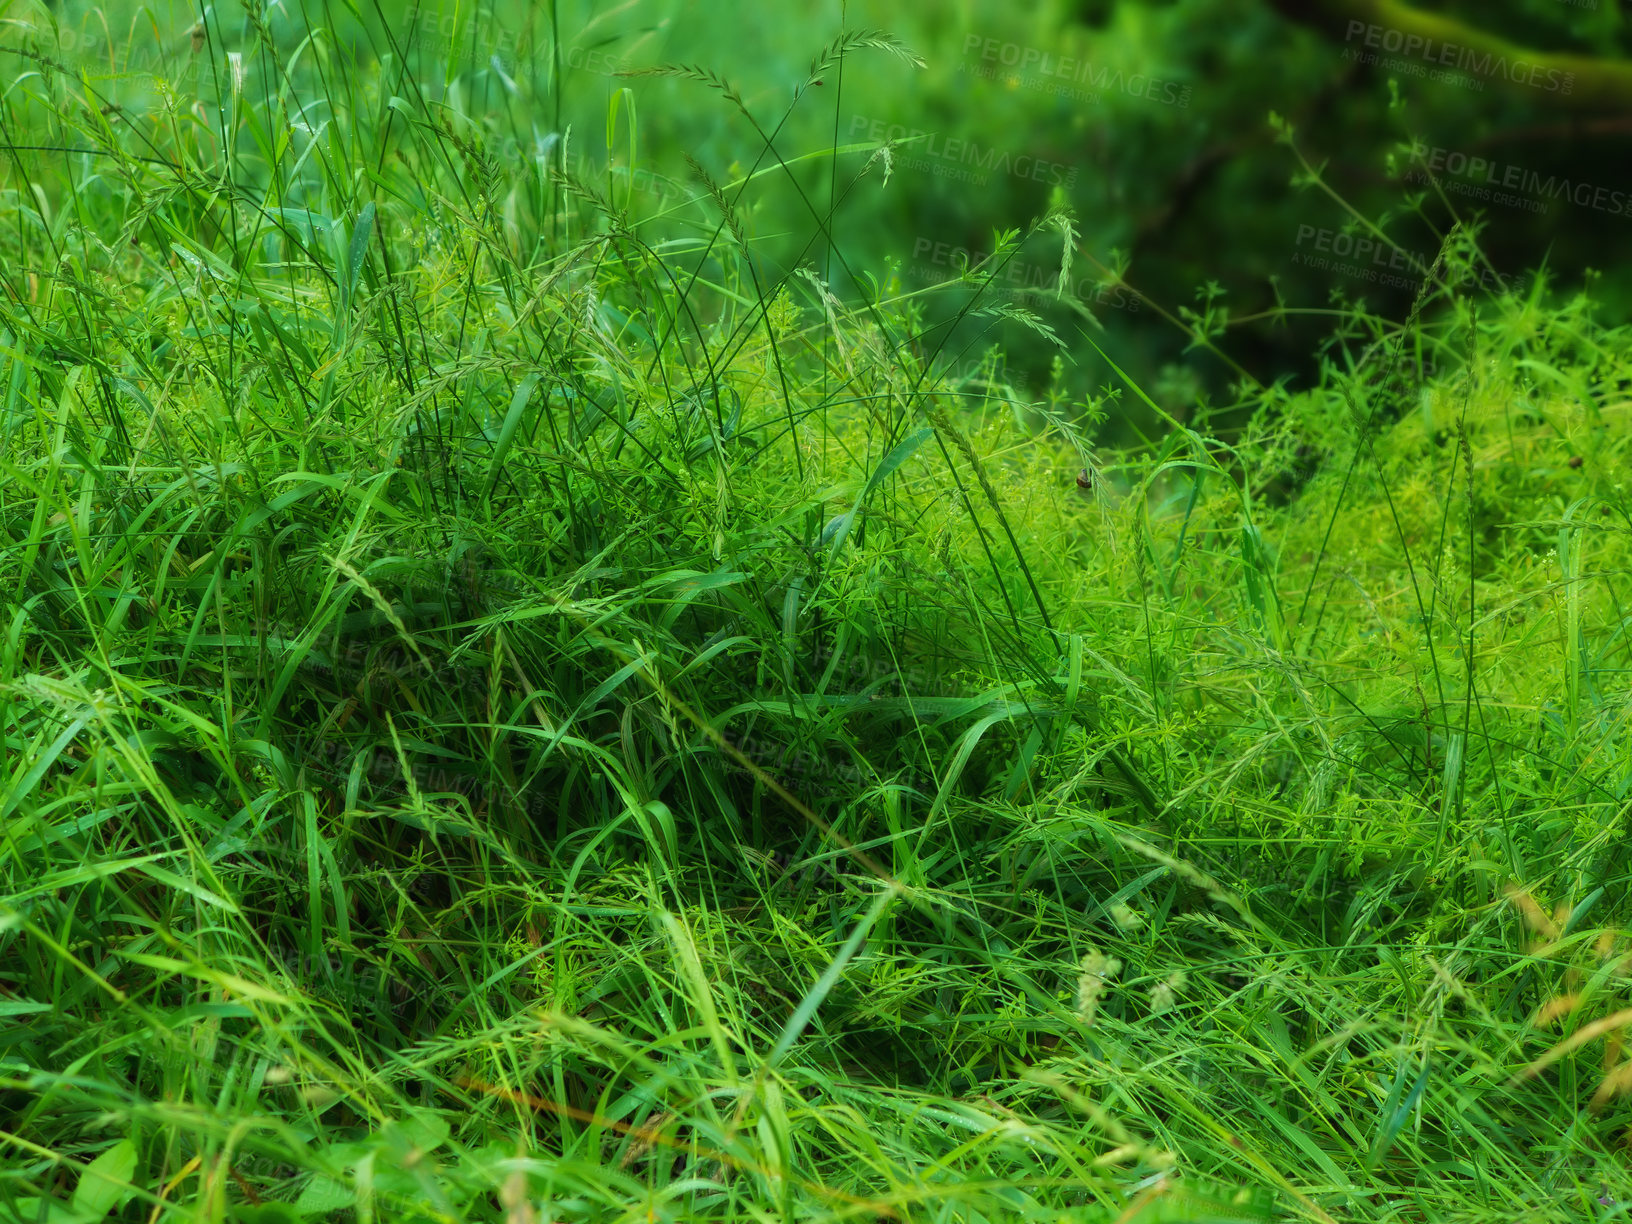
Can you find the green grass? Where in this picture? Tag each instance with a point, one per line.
(516, 710)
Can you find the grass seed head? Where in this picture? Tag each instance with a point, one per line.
(1164, 995)
(1097, 970)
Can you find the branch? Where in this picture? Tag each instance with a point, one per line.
(1390, 29)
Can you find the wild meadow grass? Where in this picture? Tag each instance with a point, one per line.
(517, 709)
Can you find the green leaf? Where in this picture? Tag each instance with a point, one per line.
(1258, 569)
(106, 1181)
(54, 1212)
(171, 880)
(360, 234)
(960, 758)
(264, 1213)
(824, 985)
(507, 431)
(837, 531)
(421, 1129)
(899, 454)
(323, 1195)
(1396, 1111)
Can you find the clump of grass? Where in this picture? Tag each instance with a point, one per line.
(517, 710)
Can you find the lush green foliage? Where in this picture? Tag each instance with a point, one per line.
(1145, 117)
(516, 709)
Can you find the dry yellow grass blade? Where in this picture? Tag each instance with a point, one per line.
(1614, 1084)
(1551, 1010)
(1533, 913)
(1575, 1041)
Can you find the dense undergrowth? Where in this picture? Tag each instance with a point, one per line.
(513, 712)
